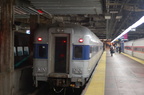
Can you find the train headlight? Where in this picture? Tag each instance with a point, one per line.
(77, 70)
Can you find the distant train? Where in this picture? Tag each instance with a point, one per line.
(66, 55)
(21, 50)
(135, 48)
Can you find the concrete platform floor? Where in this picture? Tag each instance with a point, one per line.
(119, 74)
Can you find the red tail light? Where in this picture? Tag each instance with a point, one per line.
(64, 41)
(62, 55)
(39, 39)
(81, 40)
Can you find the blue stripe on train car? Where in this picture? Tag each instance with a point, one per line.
(41, 51)
(84, 54)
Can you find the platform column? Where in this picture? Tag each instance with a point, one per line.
(6, 47)
(34, 20)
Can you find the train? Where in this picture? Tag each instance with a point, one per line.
(135, 48)
(65, 55)
(21, 50)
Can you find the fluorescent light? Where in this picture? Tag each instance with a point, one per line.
(113, 11)
(133, 29)
(118, 17)
(136, 24)
(139, 22)
(107, 17)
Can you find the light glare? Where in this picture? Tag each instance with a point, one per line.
(27, 31)
(139, 22)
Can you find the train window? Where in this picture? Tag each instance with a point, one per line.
(94, 49)
(135, 49)
(97, 49)
(139, 49)
(19, 51)
(143, 50)
(26, 50)
(78, 52)
(15, 51)
(91, 49)
(41, 51)
(128, 47)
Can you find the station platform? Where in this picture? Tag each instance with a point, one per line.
(119, 74)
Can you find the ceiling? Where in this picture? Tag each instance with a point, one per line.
(106, 18)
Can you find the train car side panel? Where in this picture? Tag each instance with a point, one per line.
(138, 48)
(128, 47)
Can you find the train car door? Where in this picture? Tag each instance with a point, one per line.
(61, 44)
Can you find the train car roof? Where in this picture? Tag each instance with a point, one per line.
(78, 29)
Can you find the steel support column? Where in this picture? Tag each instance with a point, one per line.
(107, 29)
(6, 48)
(34, 20)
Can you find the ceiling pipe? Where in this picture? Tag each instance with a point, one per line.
(41, 13)
(28, 10)
(124, 3)
(110, 24)
(19, 10)
(132, 8)
(123, 23)
(123, 20)
(50, 15)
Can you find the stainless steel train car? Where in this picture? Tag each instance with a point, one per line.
(65, 55)
(135, 48)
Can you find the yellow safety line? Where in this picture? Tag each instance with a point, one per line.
(97, 82)
(134, 58)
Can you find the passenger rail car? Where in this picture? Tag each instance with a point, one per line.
(65, 56)
(135, 48)
(21, 50)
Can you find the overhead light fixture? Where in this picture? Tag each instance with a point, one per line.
(113, 12)
(136, 24)
(107, 16)
(118, 17)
